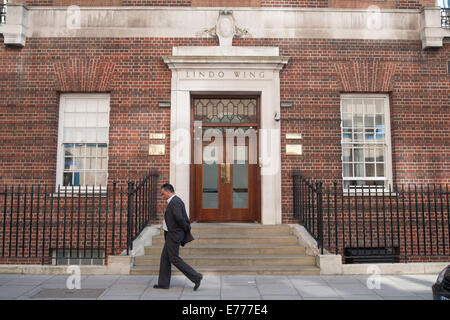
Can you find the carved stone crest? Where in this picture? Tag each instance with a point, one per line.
(225, 29)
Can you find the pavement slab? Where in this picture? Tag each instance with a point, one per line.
(215, 287)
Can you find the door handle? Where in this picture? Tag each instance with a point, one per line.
(225, 172)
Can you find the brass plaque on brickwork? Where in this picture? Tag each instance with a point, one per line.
(156, 150)
(294, 149)
(157, 136)
(293, 136)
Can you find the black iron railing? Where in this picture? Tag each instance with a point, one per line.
(445, 17)
(402, 224)
(39, 225)
(141, 206)
(3, 9)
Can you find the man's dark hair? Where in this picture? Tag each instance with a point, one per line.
(168, 187)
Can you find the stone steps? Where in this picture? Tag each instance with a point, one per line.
(239, 229)
(233, 249)
(249, 249)
(235, 239)
(244, 260)
(235, 270)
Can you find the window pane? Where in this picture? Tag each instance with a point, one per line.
(369, 120)
(67, 179)
(80, 163)
(346, 105)
(90, 150)
(240, 185)
(102, 150)
(76, 178)
(210, 185)
(70, 105)
(380, 155)
(91, 134)
(347, 135)
(92, 105)
(80, 120)
(370, 134)
(225, 110)
(90, 178)
(103, 106)
(348, 172)
(91, 120)
(68, 149)
(380, 169)
(68, 163)
(358, 106)
(358, 135)
(99, 163)
(379, 106)
(358, 155)
(359, 170)
(102, 120)
(90, 163)
(69, 120)
(380, 134)
(370, 107)
(80, 105)
(347, 120)
(370, 170)
(358, 120)
(101, 179)
(102, 134)
(79, 134)
(347, 155)
(379, 120)
(370, 154)
(79, 177)
(79, 150)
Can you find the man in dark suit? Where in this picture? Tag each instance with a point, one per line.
(177, 231)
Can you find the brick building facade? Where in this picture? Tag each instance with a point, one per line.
(334, 57)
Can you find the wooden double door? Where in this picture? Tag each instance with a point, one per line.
(225, 180)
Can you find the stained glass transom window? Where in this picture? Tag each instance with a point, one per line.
(226, 110)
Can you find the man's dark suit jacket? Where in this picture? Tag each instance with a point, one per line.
(177, 222)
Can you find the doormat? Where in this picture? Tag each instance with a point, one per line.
(68, 294)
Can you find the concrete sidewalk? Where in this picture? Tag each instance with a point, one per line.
(403, 287)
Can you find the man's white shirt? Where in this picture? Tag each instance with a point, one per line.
(164, 221)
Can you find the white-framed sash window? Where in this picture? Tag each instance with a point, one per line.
(83, 140)
(366, 141)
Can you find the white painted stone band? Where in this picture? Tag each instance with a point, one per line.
(326, 23)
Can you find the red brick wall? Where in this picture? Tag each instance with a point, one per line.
(133, 72)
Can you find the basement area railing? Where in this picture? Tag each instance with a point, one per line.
(406, 223)
(39, 225)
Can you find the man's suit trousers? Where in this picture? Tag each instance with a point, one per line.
(170, 256)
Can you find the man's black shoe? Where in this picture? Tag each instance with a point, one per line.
(157, 286)
(197, 283)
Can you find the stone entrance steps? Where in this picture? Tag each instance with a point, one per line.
(235, 248)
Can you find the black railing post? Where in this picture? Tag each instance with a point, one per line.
(335, 216)
(320, 217)
(295, 198)
(4, 221)
(43, 228)
(114, 216)
(129, 217)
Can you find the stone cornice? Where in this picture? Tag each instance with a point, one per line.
(261, 23)
(240, 62)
